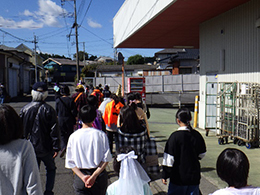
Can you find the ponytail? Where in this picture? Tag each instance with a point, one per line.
(189, 126)
(184, 115)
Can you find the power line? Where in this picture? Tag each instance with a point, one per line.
(82, 4)
(86, 12)
(53, 34)
(16, 37)
(49, 33)
(67, 27)
(97, 36)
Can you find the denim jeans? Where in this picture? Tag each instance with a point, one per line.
(183, 190)
(50, 167)
(2, 98)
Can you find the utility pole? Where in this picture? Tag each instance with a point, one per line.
(84, 53)
(121, 61)
(35, 58)
(77, 42)
(75, 25)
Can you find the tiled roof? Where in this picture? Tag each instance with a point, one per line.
(63, 61)
(189, 54)
(6, 48)
(169, 51)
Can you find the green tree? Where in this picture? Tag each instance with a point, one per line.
(136, 59)
(81, 56)
(45, 56)
(88, 70)
(149, 60)
(92, 57)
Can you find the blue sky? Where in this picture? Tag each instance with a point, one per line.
(51, 22)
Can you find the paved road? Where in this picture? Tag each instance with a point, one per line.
(161, 123)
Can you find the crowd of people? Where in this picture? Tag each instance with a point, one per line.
(84, 127)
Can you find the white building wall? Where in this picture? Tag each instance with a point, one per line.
(134, 14)
(230, 48)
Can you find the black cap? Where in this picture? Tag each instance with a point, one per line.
(40, 86)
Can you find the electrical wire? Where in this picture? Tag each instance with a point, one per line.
(82, 4)
(97, 36)
(67, 27)
(85, 13)
(16, 37)
(49, 33)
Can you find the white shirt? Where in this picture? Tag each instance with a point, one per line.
(103, 104)
(19, 173)
(249, 190)
(86, 148)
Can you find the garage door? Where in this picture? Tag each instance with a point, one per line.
(13, 87)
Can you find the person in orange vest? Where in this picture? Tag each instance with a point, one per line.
(96, 92)
(110, 117)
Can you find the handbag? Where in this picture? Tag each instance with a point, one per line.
(151, 159)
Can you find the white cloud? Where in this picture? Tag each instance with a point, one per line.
(27, 13)
(48, 14)
(93, 24)
(7, 23)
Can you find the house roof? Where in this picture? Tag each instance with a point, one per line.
(104, 58)
(24, 47)
(13, 51)
(6, 48)
(169, 51)
(116, 68)
(62, 61)
(177, 26)
(184, 54)
(187, 54)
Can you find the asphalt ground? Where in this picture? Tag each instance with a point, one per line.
(162, 124)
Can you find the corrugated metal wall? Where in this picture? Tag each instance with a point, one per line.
(236, 34)
(157, 84)
(230, 47)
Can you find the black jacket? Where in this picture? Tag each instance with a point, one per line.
(40, 127)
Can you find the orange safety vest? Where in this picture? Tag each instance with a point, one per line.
(111, 113)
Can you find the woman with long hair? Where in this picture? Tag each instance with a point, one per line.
(19, 170)
(131, 132)
(183, 150)
(132, 102)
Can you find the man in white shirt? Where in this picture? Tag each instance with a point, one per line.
(87, 155)
(107, 95)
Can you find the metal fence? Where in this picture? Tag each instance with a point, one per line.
(153, 84)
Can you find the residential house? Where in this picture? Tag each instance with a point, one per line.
(62, 69)
(104, 59)
(40, 70)
(179, 61)
(226, 32)
(14, 70)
